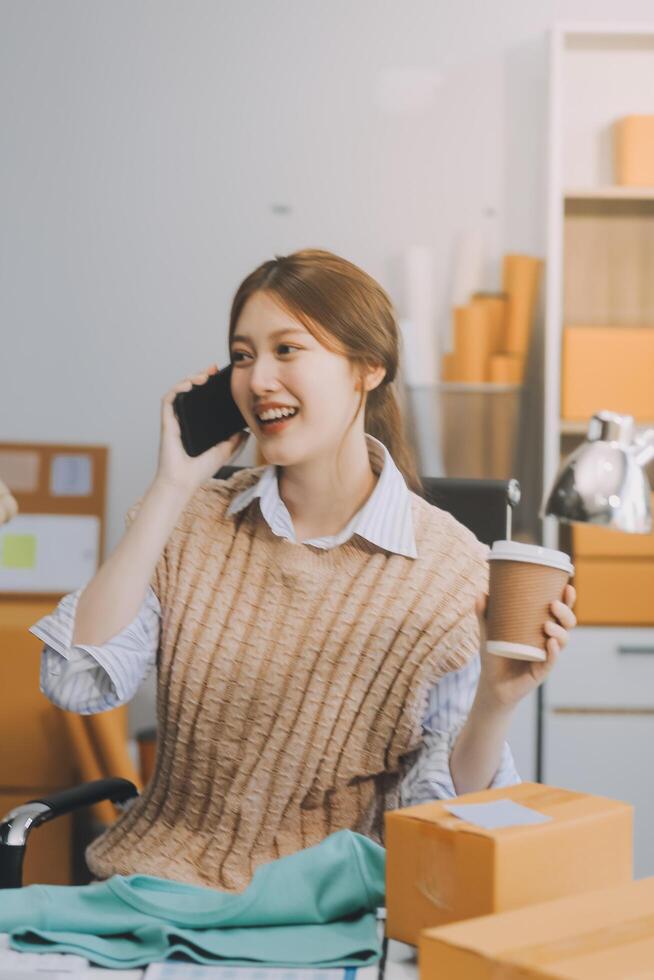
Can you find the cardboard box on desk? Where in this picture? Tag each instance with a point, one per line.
(440, 868)
(614, 576)
(601, 935)
(614, 591)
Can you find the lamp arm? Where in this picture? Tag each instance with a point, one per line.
(644, 444)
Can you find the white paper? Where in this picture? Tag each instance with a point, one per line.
(499, 813)
(189, 971)
(71, 475)
(54, 964)
(48, 552)
(20, 972)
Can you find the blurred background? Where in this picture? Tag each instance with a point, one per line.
(154, 153)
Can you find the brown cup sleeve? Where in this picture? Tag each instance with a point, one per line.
(520, 594)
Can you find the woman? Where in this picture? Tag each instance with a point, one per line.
(315, 622)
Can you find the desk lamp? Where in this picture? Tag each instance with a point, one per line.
(604, 480)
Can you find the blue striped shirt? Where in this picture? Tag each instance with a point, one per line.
(88, 679)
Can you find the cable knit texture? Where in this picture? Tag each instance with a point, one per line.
(291, 683)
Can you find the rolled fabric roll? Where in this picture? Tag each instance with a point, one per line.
(520, 279)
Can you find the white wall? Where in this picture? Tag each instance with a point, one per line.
(147, 145)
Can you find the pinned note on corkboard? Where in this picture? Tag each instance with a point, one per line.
(56, 541)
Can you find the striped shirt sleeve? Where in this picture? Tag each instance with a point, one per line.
(429, 776)
(89, 679)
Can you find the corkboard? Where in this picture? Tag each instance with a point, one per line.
(57, 478)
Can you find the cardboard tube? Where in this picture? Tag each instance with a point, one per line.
(496, 305)
(449, 368)
(506, 369)
(473, 340)
(521, 275)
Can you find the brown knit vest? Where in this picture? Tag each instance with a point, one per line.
(291, 683)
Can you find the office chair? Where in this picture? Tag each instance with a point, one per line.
(484, 506)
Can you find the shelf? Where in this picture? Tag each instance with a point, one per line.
(471, 387)
(604, 31)
(569, 427)
(615, 193)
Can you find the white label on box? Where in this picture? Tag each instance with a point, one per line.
(499, 813)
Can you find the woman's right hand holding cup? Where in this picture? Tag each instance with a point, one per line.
(175, 467)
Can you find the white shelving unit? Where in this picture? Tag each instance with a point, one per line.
(598, 719)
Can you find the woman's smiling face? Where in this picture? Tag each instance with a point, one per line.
(278, 362)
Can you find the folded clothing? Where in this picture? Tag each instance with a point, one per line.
(312, 908)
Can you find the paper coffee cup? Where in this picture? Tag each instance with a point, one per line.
(524, 580)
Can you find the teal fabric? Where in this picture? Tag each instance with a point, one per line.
(312, 908)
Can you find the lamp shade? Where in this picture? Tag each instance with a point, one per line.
(604, 481)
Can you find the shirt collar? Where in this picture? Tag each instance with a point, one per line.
(385, 519)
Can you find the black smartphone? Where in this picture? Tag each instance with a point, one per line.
(208, 414)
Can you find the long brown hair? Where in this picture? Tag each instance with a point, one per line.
(348, 312)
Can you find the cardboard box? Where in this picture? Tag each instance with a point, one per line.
(440, 869)
(614, 591)
(607, 367)
(602, 935)
(634, 151)
(591, 541)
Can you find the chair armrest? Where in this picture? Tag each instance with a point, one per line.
(115, 789)
(16, 825)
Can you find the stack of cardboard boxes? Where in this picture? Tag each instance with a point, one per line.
(548, 899)
(610, 367)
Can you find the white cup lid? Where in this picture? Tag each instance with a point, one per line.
(532, 553)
